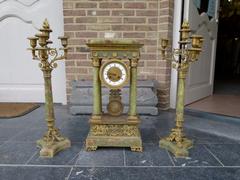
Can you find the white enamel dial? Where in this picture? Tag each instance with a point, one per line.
(114, 74)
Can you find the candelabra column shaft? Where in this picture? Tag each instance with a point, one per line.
(180, 100)
(97, 107)
(49, 99)
(133, 92)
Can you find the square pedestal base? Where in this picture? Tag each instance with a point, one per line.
(114, 131)
(93, 142)
(176, 150)
(48, 150)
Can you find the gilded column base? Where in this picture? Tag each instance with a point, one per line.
(179, 150)
(51, 143)
(114, 135)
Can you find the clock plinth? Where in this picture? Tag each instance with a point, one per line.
(112, 131)
(114, 65)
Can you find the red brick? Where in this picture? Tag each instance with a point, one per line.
(123, 12)
(86, 20)
(74, 27)
(153, 20)
(69, 34)
(86, 5)
(84, 63)
(98, 13)
(77, 56)
(110, 5)
(152, 34)
(69, 63)
(98, 27)
(149, 56)
(166, 12)
(68, 20)
(146, 27)
(134, 35)
(135, 20)
(74, 13)
(77, 41)
(149, 42)
(152, 5)
(109, 20)
(122, 27)
(135, 5)
(67, 5)
(146, 13)
(86, 34)
(164, 4)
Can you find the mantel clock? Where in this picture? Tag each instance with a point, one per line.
(114, 66)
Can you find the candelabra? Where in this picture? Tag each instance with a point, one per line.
(52, 141)
(181, 59)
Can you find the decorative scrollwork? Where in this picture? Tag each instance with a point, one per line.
(114, 130)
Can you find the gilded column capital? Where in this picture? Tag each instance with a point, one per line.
(96, 62)
(134, 62)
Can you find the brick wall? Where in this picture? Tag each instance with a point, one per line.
(144, 20)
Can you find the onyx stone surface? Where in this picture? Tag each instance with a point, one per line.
(212, 157)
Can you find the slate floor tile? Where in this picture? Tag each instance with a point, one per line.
(152, 155)
(198, 156)
(101, 157)
(29, 135)
(155, 173)
(149, 135)
(92, 173)
(76, 123)
(201, 137)
(75, 135)
(228, 154)
(34, 173)
(16, 153)
(65, 157)
(8, 133)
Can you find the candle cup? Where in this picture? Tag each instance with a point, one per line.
(64, 40)
(42, 39)
(194, 53)
(164, 43)
(33, 41)
(196, 41)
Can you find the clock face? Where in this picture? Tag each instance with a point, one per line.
(114, 74)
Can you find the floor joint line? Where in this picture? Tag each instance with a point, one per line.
(213, 155)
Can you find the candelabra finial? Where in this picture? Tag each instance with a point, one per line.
(45, 24)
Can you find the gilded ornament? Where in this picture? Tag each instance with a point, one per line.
(113, 128)
(52, 141)
(181, 58)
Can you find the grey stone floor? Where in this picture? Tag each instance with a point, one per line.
(213, 157)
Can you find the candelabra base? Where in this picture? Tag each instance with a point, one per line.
(179, 150)
(49, 149)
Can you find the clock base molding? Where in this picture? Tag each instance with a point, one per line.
(114, 139)
(122, 132)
